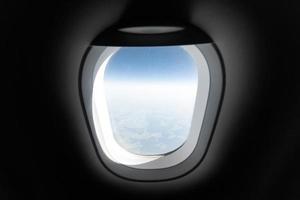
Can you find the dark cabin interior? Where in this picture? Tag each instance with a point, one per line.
(46, 151)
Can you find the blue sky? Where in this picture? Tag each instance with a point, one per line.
(147, 64)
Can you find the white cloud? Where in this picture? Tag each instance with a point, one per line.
(150, 121)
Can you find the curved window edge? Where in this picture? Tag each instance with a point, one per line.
(154, 170)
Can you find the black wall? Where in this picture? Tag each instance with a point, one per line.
(46, 152)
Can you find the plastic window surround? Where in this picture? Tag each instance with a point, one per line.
(104, 130)
(174, 164)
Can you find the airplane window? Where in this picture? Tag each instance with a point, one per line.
(144, 99)
(150, 95)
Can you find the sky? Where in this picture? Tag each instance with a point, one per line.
(151, 64)
(150, 93)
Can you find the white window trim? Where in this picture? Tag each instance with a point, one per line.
(216, 93)
(104, 133)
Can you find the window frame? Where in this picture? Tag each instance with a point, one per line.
(154, 171)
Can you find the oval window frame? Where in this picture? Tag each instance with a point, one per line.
(151, 171)
(150, 162)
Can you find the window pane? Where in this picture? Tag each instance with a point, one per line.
(150, 94)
